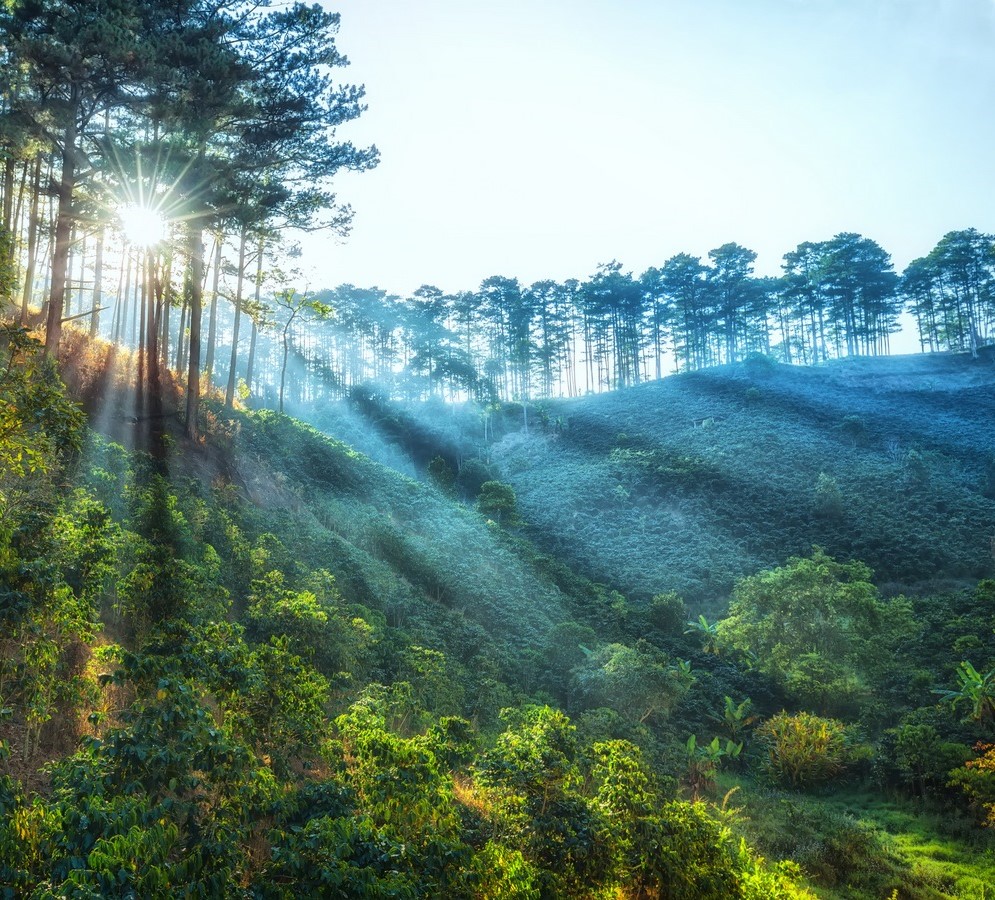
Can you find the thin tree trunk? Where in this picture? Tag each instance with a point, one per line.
(162, 309)
(230, 392)
(63, 232)
(158, 287)
(8, 243)
(141, 276)
(181, 343)
(137, 317)
(212, 328)
(255, 327)
(194, 295)
(115, 332)
(98, 279)
(29, 275)
(283, 368)
(124, 298)
(18, 218)
(8, 194)
(79, 249)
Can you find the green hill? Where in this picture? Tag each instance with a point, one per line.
(267, 665)
(692, 482)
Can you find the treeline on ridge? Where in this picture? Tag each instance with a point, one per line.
(509, 341)
(128, 122)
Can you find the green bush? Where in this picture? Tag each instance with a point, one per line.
(668, 613)
(922, 758)
(819, 629)
(976, 780)
(804, 750)
(440, 473)
(497, 501)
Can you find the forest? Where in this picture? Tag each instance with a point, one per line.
(676, 585)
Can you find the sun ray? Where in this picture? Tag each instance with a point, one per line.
(142, 225)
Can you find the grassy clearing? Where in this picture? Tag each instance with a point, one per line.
(938, 848)
(860, 845)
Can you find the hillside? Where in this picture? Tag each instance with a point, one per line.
(689, 483)
(333, 567)
(265, 664)
(385, 536)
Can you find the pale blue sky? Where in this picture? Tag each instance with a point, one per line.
(538, 138)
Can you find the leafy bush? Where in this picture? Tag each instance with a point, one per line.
(976, 780)
(804, 750)
(336, 857)
(924, 760)
(497, 501)
(817, 627)
(668, 613)
(640, 682)
(442, 476)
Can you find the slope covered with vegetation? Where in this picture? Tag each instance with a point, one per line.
(266, 665)
(217, 697)
(693, 482)
(447, 641)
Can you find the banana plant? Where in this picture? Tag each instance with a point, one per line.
(704, 761)
(708, 632)
(977, 690)
(736, 718)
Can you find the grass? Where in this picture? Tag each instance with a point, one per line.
(856, 844)
(964, 864)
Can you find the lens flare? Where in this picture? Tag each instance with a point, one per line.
(142, 227)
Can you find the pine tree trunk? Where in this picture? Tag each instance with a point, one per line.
(194, 290)
(212, 328)
(163, 282)
(98, 285)
(141, 291)
(255, 327)
(18, 217)
(283, 367)
(80, 243)
(63, 233)
(29, 275)
(230, 392)
(124, 299)
(8, 194)
(157, 315)
(181, 343)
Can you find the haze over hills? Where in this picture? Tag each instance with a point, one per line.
(692, 482)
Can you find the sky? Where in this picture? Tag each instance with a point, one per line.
(540, 138)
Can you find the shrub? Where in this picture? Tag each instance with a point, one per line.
(695, 857)
(640, 682)
(828, 499)
(472, 475)
(442, 476)
(757, 363)
(923, 759)
(818, 629)
(497, 501)
(804, 750)
(346, 857)
(854, 428)
(668, 613)
(976, 779)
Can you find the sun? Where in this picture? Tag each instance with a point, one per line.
(142, 226)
